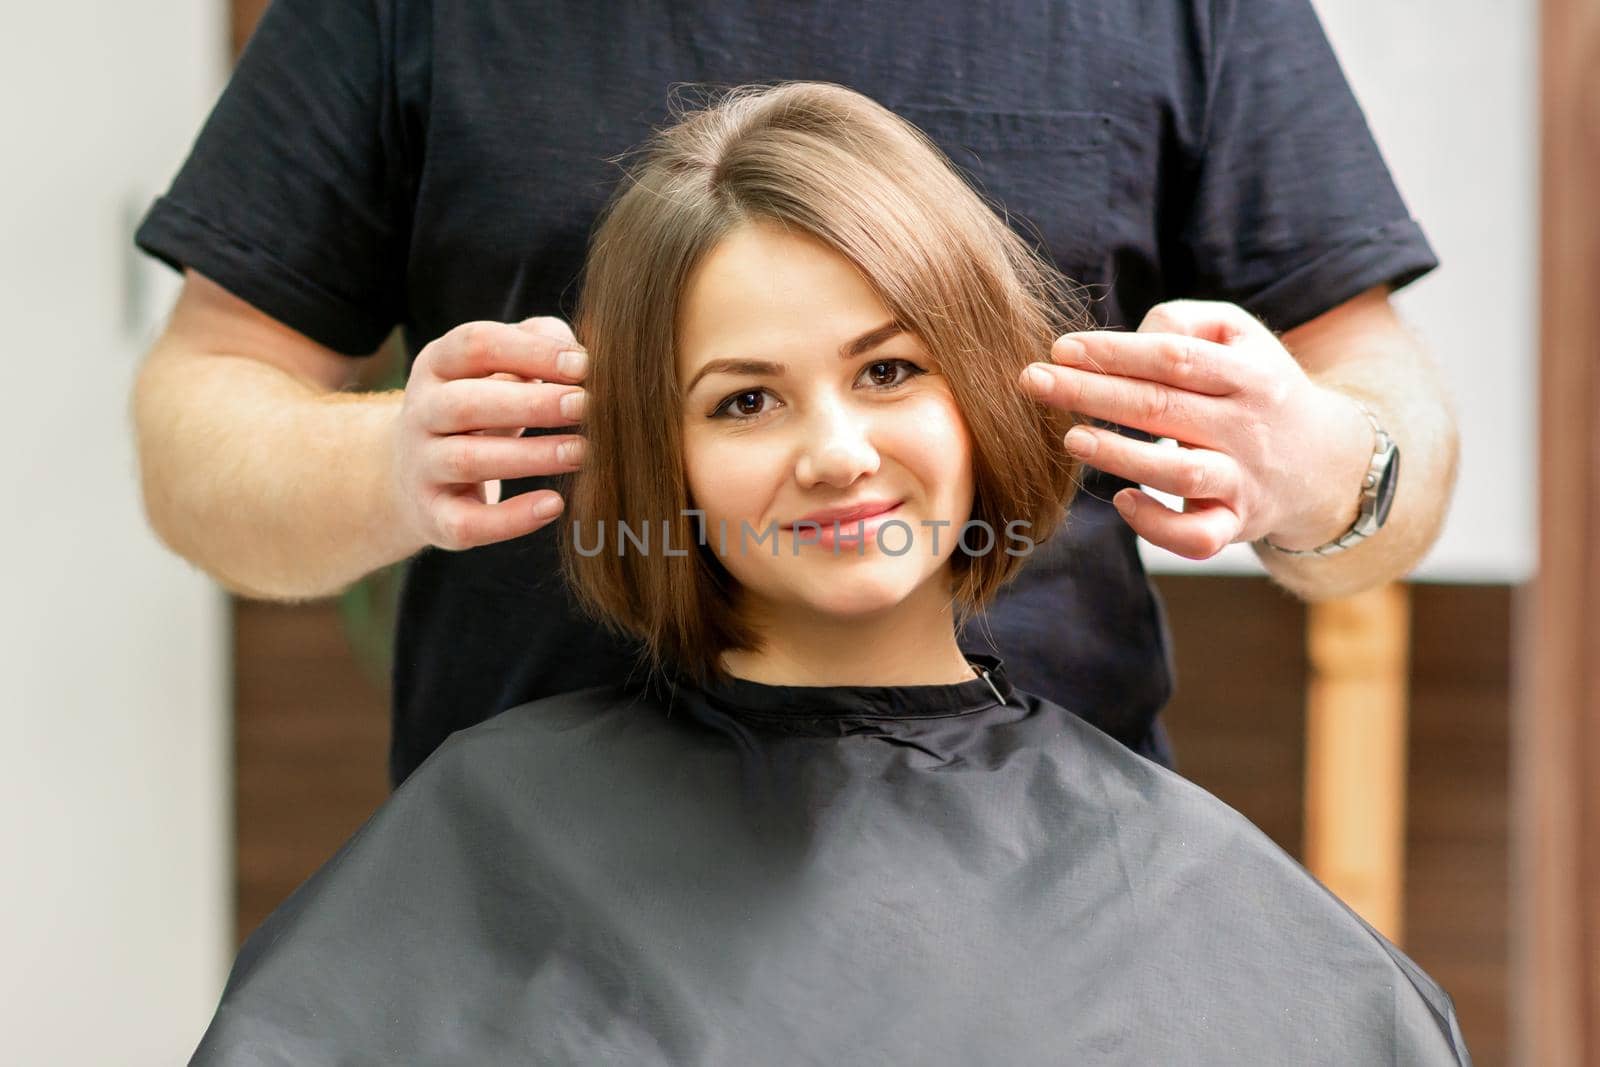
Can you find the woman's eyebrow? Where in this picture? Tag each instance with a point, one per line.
(849, 350)
(871, 339)
(756, 367)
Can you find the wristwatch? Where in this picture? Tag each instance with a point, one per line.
(1377, 494)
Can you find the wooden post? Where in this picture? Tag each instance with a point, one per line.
(1356, 717)
(1555, 764)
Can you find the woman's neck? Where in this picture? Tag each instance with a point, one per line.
(911, 643)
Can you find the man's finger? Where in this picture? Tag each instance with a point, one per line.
(480, 349)
(465, 459)
(549, 326)
(492, 429)
(1194, 473)
(1200, 531)
(1184, 362)
(467, 522)
(472, 404)
(1157, 409)
(1213, 320)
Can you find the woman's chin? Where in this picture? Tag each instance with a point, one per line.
(860, 595)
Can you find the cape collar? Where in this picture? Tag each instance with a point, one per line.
(832, 710)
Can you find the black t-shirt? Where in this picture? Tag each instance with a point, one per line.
(383, 162)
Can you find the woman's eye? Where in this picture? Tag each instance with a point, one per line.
(886, 373)
(753, 403)
(745, 405)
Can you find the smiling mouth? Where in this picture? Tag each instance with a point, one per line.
(847, 516)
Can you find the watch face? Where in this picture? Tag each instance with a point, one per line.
(1386, 486)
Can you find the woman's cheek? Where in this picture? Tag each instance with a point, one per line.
(931, 437)
(728, 479)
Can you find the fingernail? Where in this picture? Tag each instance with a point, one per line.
(570, 451)
(1038, 378)
(547, 507)
(1066, 350)
(1080, 442)
(1124, 503)
(573, 363)
(572, 404)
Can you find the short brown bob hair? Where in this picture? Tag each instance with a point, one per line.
(834, 164)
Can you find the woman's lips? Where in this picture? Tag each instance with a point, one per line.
(853, 525)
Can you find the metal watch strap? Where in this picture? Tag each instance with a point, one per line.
(1369, 494)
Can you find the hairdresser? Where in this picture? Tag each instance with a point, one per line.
(1202, 168)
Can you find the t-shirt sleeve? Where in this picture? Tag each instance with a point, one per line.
(292, 195)
(1294, 210)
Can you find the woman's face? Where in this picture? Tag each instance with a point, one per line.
(803, 401)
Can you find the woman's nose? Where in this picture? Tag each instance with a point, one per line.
(837, 449)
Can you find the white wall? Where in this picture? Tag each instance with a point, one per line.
(1450, 91)
(115, 921)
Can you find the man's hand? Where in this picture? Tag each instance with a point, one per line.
(470, 394)
(1265, 451)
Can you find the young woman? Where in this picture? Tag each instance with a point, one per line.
(810, 829)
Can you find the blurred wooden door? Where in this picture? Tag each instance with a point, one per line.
(1556, 771)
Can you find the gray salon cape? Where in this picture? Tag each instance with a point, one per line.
(748, 874)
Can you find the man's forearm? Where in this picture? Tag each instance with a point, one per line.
(276, 490)
(1405, 392)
